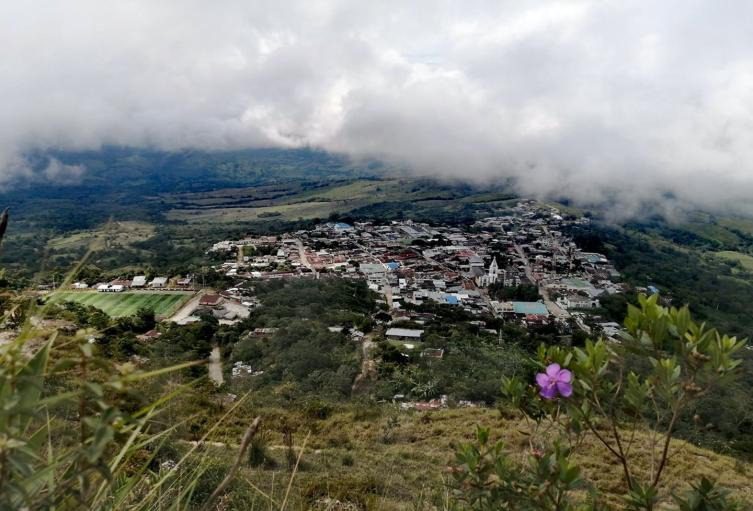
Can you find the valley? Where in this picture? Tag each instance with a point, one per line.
(369, 319)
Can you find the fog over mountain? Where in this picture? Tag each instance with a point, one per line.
(592, 100)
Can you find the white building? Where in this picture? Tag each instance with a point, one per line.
(578, 302)
(491, 275)
(110, 288)
(158, 282)
(373, 272)
(404, 334)
(139, 281)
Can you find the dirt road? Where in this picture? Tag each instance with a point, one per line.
(368, 365)
(215, 367)
(188, 307)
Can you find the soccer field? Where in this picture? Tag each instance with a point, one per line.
(126, 304)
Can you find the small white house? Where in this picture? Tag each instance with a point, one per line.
(139, 281)
(158, 282)
(110, 288)
(80, 285)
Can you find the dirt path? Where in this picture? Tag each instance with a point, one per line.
(368, 365)
(188, 307)
(215, 367)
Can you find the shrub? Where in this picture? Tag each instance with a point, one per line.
(603, 390)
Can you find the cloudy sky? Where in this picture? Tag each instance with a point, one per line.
(594, 100)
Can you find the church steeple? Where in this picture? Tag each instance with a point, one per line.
(493, 271)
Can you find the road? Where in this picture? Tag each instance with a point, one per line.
(302, 255)
(188, 307)
(215, 367)
(368, 365)
(554, 309)
(388, 294)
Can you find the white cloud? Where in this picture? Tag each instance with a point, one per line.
(593, 100)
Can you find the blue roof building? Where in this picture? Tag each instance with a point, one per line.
(526, 308)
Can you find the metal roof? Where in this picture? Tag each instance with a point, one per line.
(404, 332)
(536, 308)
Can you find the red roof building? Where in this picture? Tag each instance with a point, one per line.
(210, 300)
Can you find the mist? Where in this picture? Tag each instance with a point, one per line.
(621, 104)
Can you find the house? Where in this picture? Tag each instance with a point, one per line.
(158, 282)
(578, 302)
(138, 281)
(373, 272)
(80, 285)
(210, 300)
(184, 282)
(261, 332)
(437, 353)
(121, 282)
(110, 288)
(404, 334)
(149, 336)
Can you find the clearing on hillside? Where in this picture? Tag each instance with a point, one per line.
(119, 305)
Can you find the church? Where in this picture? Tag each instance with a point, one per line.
(491, 275)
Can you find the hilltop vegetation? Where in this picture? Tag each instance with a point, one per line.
(300, 361)
(342, 448)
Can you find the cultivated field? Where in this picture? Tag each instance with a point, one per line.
(111, 234)
(744, 259)
(126, 304)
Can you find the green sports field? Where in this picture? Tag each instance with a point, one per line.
(126, 304)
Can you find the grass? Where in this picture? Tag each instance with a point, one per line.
(108, 235)
(310, 203)
(744, 259)
(126, 304)
(292, 205)
(396, 473)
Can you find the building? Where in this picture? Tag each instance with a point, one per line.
(158, 282)
(437, 353)
(151, 335)
(404, 334)
(80, 285)
(578, 302)
(529, 309)
(138, 281)
(210, 300)
(373, 272)
(110, 288)
(491, 275)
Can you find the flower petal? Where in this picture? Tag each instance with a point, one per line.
(542, 380)
(565, 389)
(548, 392)
(565, 376)
(552, 370)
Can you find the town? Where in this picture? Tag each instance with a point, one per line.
(412, 263)
(521, 267)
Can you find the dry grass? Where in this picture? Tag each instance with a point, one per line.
(121, 233)
(357, 458)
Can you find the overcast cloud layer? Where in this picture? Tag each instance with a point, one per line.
(585, 99)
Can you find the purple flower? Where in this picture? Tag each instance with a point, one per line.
(555, 381)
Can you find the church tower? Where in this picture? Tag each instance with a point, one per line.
(493, 272)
